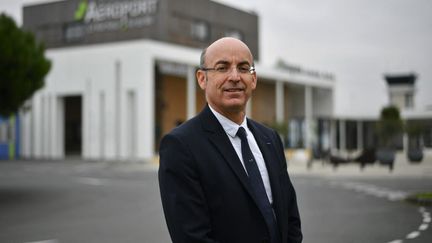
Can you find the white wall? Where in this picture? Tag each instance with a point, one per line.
(91, 72)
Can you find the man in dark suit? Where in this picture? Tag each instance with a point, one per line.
(223, 178)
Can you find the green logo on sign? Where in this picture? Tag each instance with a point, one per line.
(81, 10)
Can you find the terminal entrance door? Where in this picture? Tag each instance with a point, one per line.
(170, 104)
(73, 125)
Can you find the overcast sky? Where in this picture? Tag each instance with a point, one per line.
(357, 40)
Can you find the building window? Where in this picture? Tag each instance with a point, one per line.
(200, 30)
(409, 101)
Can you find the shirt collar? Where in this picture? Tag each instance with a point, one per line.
(229, 126)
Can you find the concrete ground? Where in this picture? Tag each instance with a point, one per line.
(402, 167)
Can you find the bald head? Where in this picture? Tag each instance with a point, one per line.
(227, 44)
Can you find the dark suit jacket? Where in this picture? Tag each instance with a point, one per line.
(204, 188)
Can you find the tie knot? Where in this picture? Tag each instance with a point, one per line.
(241, 133)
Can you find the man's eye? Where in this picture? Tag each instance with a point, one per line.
(244, 69)
(222, 69)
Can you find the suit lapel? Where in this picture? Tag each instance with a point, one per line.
(220, 140)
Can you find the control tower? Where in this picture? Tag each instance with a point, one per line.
(401, 90)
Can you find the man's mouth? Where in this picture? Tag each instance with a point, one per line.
(233, 90)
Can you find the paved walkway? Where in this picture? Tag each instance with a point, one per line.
(401, 168)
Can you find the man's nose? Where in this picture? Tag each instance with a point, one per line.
(234, 74)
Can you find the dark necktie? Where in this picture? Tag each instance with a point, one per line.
(257, 184)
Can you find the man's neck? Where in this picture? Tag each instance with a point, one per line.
(236, 116)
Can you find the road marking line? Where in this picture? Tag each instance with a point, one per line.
(413, 235)
(44, 241)
(91, 181)
(380, 192)
(423, 227)
(396, 241)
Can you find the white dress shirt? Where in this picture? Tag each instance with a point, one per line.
(231, 128)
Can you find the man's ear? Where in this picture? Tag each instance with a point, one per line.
(201, 78)
(254, 82)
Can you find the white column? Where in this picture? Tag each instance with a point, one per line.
(146, 110)
(360, 144)
(405, 142)
(54, 125)
(326, 139)
(280, 101)
(60, 120)
(49, 124)
(102, 125)
(43, 135)
(342, 135)
(32, 129)
(37, 127)
(117, 112)
(191, 92)
(131, 125)
(308, 117)
(87, 121)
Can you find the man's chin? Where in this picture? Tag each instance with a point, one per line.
(236, 105)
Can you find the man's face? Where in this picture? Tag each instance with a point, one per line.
(229, 84)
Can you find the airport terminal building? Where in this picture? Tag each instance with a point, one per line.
(123, 75)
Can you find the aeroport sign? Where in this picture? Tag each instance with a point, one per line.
(95, 11)
(108, 16)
